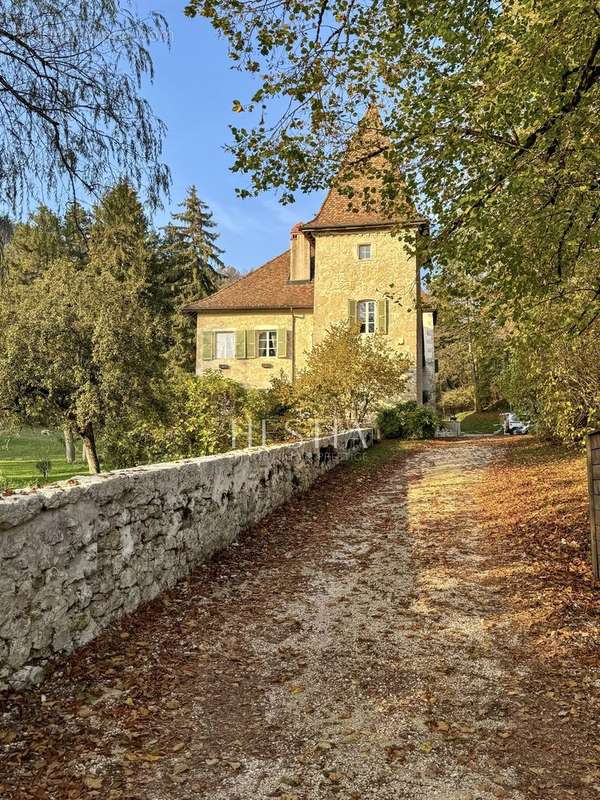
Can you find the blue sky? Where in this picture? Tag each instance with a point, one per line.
(192, 93)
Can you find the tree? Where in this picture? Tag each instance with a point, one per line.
(195, 261)
(119, 236)
(34, 245)
(229, 274)
(76, 233)
(347, 376)
(489, 110)
(6, 233)
(72, 114)
(195, 419)
(471, 345)
(555, 380)
(77, 350)
(121, 242)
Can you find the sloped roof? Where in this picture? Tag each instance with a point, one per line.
(362, 174)
(265, 287)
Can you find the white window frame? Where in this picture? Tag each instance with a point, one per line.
(267, 344)
(228, 349)
(370, 251)
(366, 314)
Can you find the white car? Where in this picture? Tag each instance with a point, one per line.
(512, 425)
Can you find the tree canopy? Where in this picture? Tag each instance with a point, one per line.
(347, 376)
(76, 350)
(492, 113)
(73, 118)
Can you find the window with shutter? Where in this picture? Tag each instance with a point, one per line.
(352, 312)
(250, 344)
(366, 316)
(267, 344)
(282, 343)
(240, 344)
(225, 344)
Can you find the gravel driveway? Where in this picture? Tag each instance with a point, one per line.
(352, 646)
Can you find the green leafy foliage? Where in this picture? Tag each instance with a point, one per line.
(471, 345)
(195, 419)
(77, 348)
(555, 381)
(407, 420)
(460, 398)
(348, 375)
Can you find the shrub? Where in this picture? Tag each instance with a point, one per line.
(44, 467)
(195, 419)
(407, 420)
(462, 398)
(348, 375)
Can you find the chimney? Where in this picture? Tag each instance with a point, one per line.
(300, 254)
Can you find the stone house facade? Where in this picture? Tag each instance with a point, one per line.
(351, 262)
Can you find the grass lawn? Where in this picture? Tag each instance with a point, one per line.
(479, 422)
(22, 448)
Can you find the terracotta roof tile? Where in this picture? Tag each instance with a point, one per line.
(363, 173)
(265, 287)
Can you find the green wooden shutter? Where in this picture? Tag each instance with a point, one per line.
(250, 344)
(282, 337)
(208, 349)
(240, 344)
(383, 315)
(352, 312)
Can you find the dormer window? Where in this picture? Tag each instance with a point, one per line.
(364, 252)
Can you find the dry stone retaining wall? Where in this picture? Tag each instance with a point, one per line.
(77, 556)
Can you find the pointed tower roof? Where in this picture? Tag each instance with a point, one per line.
(362, 172)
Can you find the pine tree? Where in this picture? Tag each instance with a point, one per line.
(119, 236)
(194, 257)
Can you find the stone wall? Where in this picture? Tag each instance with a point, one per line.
(79, 555)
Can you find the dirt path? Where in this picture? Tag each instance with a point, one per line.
(357, 645)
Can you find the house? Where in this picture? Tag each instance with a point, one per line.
(351, 262)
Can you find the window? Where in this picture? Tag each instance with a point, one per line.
(366, 316)
(225, 344)
(364, 252)
(267, 344)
